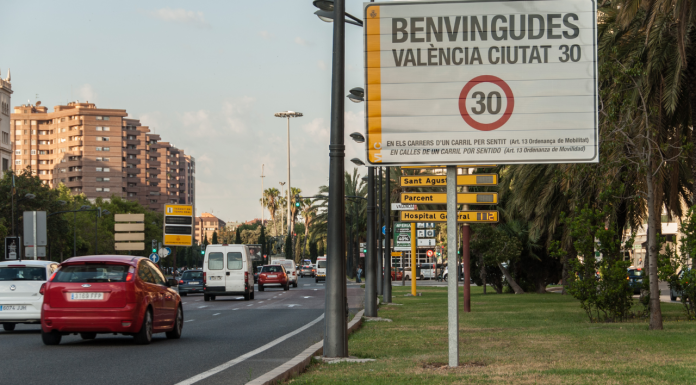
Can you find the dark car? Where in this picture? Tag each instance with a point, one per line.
(191, 282)
(256, 275)
(308, 271)
(635, 279)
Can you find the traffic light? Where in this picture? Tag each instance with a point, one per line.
(154, 250)
(297, 201)
(202, 252)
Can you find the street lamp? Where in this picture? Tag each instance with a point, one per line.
(288, 115)
(357, 162)
(357, 137)
(357, 95)
(326, 13)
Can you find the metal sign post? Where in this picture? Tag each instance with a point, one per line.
(413, 259)
(452, 303)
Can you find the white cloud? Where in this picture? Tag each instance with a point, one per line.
(266, 35)
(301, 41)
(317, 130)
(322, 65)
(86, 93)
(180, 15)
(236, 113)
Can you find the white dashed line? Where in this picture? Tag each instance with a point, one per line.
(236, 309)
(201, 307)
(216, 314)
(191, 320)
(306, 297)
(251, 304)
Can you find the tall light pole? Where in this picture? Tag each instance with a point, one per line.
(288, 115)
(281, 211)
(371, 257)
(263, 197)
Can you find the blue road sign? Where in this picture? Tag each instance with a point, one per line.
(154, 257)
(384, 230)
(169, 251)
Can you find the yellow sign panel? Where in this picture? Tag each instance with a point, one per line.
(441, 180)
(177, 240)
(441, 216)
(441, 198)
(396, 253)
(458, 166)
(185, 210)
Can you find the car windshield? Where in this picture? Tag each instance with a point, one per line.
(92, 273)
(272, 269)
(635, 273)
(321, 264)
(192, 275)
(16, 273)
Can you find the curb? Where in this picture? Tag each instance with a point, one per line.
(300, 362)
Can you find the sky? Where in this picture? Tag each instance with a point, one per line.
(207, 76)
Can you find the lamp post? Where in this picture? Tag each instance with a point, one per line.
(288, 115)
(371, 257)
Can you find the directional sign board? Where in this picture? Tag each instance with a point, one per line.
(128, 230)
(458, 166)
(178, 225)
(441, 180)
(441, 198)
(401, 206)
(504, 82)
(441, 216)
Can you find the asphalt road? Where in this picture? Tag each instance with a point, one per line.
(215, 333)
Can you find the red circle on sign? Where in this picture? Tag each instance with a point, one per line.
(429, 253)
(508, 110)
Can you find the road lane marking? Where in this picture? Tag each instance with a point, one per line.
(191, 320)
(216, 314)
(251, 304)
(306, 297)
(236, 309)
(252, 353)
(201, 307)
(306, 284)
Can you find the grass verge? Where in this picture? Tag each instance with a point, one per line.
(512, 339)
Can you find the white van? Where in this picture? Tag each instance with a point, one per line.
(227, 270)
(290, 268)
(428, 270)
(20, 291)
(321, 269)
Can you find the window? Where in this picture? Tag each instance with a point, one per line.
(234, 261)
(33, 152)
(99, 118)
(106, 159)
(99, 189)
(5, 138)
(18, 162)
(92, 273)
(99, 129)
(106, 189)
(106, 148)
(19, 142)
(106, 128)
(131, 194)
(99, 169)
(99, 159)
(215, 261)
(18, 152)
(106, 138)
(106, 169)
(98, 148)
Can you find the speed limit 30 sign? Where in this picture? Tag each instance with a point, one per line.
(502, 82)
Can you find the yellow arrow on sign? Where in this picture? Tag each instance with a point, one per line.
(441, 198)
(441, 216)
(441, 180)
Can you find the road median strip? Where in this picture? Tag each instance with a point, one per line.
(296, 365)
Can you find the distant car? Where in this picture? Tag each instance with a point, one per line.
(228, 271)
(191, 281)
(673, 292)
(273, 275)
(290, 269)
(307, 271)
(20, 283)
(321, 270)
(635, 279)
(256, 274)
(396, 275)
(110, 294)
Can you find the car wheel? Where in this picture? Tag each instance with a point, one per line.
(206, 298)
(671, 297)
(8, 327)
(247, 296)
(287, 287)
(295, 284)
(251, 295)
(445, 278)
(51, 338)
(260, 287)
(421, 277)
(212, 297)
(175, 333)
(183, 294)
(144, 336)
(316, 280)
(88, 336)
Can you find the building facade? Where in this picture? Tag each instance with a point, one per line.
(5, 118)
(100, 153)
(206, 225)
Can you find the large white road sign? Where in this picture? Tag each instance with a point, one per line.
(501, 82)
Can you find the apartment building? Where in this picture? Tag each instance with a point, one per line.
(5, 135)
(206, 225)
(100, 153)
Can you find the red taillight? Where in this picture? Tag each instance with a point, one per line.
(246, 277)
(205, 277)
(181, 282)
(131, 273)
(43, 289)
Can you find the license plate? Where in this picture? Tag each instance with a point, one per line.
(86, 296)
(193, 283)
(272, 276)
(13, 307)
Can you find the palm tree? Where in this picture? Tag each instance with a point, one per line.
(271, 201)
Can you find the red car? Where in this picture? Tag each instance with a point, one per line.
(273, 275)
(110, 294)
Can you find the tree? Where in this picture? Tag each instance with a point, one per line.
(238, 237)
(215, 238)
(262, 240)
(270, 198)
(288, 247)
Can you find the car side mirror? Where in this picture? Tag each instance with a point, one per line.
(171, 282)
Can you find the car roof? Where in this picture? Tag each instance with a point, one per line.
(194, 270)
(27, 262)
(128, 259)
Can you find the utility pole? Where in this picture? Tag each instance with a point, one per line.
(387, 295)
(466, 236)
(263, 197)
(371, 257)
(380, 253)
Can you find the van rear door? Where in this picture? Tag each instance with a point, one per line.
(234, 266)
(216, 269)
